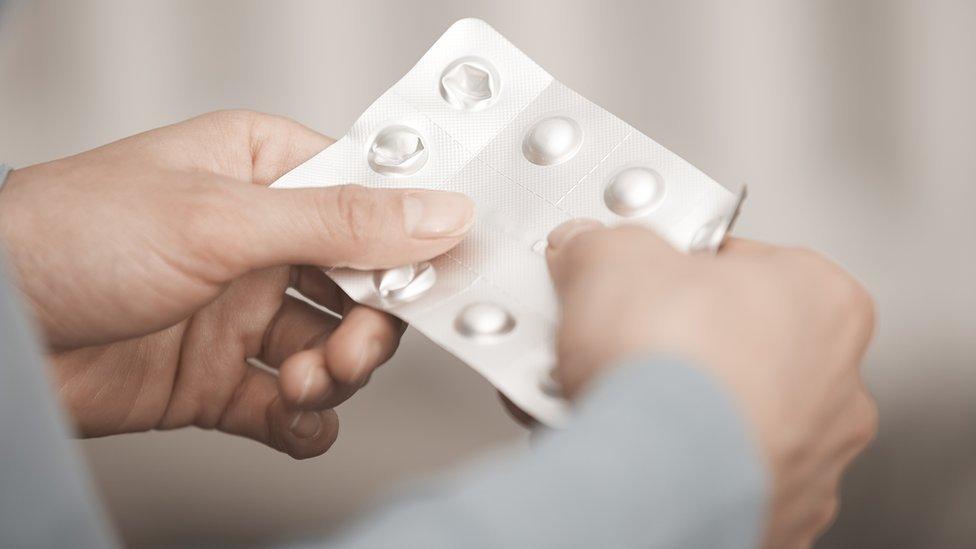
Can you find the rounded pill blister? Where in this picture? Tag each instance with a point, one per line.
(469, 84)
(552, 140)
(634, 191)
(406, 282)
(484, 320)
(397, 151)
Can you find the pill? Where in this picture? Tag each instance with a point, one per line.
(406, 282)
(484, 320)
(397, 151)
(470, 84)
(709, 236)
(634, 191)
(552, 140)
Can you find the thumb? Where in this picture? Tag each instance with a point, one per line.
(352, 226)
(581, 248)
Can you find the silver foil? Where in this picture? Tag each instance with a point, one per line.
(475, 115)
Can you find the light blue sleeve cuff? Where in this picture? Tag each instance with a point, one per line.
(657, 457)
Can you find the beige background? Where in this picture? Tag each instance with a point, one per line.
(853, 123)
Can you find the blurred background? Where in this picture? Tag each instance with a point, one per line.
(853, 123)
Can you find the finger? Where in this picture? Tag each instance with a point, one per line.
(279, 144)
(561, 253)
(257, 412)
(314, 284)
(576, 247)
(331, 371)
(241, 144)
(564, 233)
(296, 326)
(862, 423)
(346, 225)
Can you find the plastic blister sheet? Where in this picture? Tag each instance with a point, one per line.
(477, 116)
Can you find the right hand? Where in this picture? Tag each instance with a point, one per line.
(783, 329)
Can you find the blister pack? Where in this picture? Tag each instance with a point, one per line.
(477, 116)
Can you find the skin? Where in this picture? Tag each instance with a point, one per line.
(783, 329)
(156, 265)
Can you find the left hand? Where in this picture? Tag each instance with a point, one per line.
(156, 265)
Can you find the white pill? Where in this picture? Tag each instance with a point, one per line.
(552, 140)
(397, 151)
(405, 283)
(484, 320)
(634, 191)
(469, 84)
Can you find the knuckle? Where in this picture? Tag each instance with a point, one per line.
(812, 263)
(861, 303)
(356, 212)
(233, 118)
(867, 427)
(853, 303)
(828, 513)
(844, 293)
(267, 125)
(809, 261)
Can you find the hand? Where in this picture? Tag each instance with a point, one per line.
(783, 329)
(157, 264)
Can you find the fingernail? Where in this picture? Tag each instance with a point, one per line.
(369, 357)
(306, 425)
(561, 235)
(436, 214)
(307, 382)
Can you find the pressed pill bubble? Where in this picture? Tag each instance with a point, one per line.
(397, 151)
(634, 191)
(405, 283)
(469, 84)
(552, 140)
(484, 320)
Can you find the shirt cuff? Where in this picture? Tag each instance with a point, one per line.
(657, 456)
